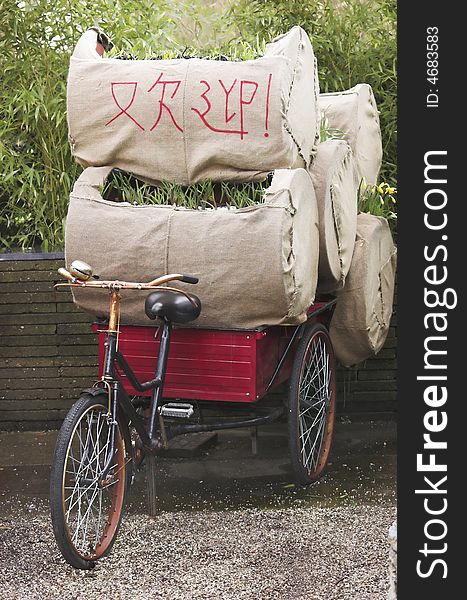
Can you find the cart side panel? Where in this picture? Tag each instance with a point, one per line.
(273, 343)
(202, 365)
(269, 350)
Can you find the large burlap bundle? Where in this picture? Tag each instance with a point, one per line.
(335, 181)
(186, 120)
(355, 114)
(256, 266)
(363, 311)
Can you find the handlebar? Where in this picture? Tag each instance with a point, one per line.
(118, 285)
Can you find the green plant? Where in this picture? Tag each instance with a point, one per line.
(124, 187)
(34, 155)
(326, 132)
(231, 51)
(379, 200)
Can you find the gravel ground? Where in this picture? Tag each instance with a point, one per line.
(338, 553)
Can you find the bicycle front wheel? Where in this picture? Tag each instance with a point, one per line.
(86, 503)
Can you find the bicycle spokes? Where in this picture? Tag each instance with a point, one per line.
(89, 487)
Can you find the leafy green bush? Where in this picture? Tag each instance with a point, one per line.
(36, 168)
(354, 42)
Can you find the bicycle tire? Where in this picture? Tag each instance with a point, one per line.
(86, 520)
(312, 404)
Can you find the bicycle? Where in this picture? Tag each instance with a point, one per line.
(106, 434)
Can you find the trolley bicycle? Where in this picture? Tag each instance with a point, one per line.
(150, 378)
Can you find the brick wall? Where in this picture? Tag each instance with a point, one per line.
(48, 353)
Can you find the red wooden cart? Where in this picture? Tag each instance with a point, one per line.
(217, 365)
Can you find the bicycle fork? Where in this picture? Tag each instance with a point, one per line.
(112, 385)
(101, 478)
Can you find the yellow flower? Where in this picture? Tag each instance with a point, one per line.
(390, 190)
(380, 189)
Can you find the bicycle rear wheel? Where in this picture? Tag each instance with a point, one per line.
(86, 507)
(312, 404)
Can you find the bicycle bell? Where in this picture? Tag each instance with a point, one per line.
(80, 270)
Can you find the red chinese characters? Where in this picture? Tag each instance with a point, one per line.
(124, 111)
(162, 105)
(222, 107)
(246, 97)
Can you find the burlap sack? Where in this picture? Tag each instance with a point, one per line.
(256, 266)
(187, 120)
(335, 181)
(364, 307)
(355, 114)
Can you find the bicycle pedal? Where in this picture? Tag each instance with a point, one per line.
(177, 410)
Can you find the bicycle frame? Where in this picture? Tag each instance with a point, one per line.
(119, 397)
(155, 435)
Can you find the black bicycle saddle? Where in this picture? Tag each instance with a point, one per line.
(172, 306)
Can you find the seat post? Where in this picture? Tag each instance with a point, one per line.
(160, 375)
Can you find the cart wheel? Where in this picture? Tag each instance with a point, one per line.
(86, 510)
(151, 478)
(312, 400)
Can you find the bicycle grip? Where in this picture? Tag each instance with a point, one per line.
(189, 279)
(64, 273)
